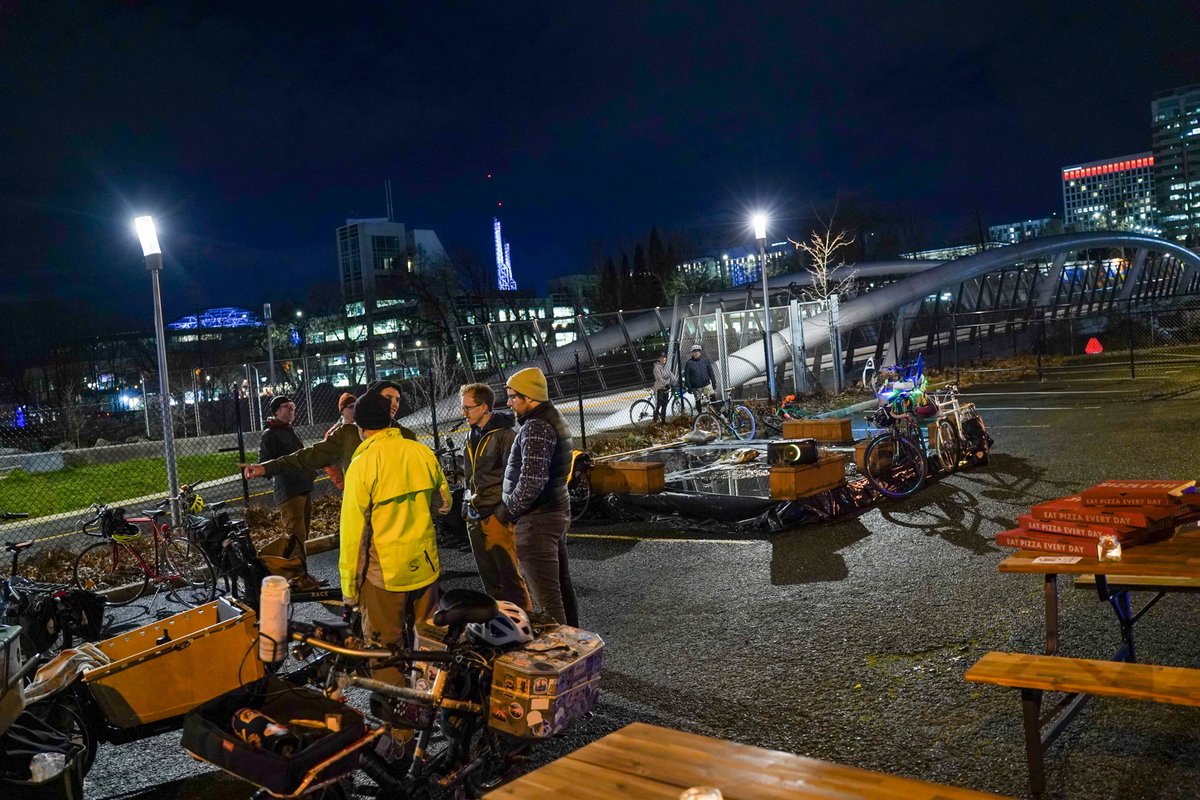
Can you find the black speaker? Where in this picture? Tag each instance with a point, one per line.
(790, 452)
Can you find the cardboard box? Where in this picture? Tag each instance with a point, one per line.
(792, 483)
(207, 652)
(1139, 493)
(544, 686)
(830, 431)
(628, 477)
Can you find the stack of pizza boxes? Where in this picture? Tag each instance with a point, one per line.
(1132, 512)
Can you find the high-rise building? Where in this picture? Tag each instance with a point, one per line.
(374, 254)
(1116, 194)
(1175, 143)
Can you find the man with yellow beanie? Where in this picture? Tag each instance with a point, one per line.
(534, 496)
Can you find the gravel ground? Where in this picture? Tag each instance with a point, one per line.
(848, 641)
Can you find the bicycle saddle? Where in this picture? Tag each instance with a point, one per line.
(459, 606)
(16, 547)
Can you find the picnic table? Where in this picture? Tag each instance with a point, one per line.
(1168, 565)
(653, 763)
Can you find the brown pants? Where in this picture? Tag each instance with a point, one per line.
(391, 617)
(495, 548)
(297, 515)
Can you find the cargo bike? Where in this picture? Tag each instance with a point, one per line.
(483, 687)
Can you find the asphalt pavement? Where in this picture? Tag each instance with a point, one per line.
(848, 641)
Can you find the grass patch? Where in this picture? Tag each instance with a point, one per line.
(44, 493)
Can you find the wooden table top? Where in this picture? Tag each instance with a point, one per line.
(646, 761)
(1178, 556)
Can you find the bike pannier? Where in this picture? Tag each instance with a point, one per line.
(542, 687)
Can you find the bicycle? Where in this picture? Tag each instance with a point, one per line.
(779, 413)
(470, 727)
(959, 431)
(724, 416)
(122, 572)
(641, 413)
(50, 616)
(452, 528)
(894, 461)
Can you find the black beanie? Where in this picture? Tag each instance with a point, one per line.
(278, 401)
(373, 412)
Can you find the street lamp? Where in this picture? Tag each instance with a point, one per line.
(760, 233)
(151, 251)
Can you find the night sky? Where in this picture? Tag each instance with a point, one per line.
(252, 134)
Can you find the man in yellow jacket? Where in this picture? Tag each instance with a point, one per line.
(389, 559)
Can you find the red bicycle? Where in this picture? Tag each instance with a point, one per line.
(123, 564)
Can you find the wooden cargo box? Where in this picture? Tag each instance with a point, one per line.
(860, 452)
(628, 477)
(792, 483)
(832, 431)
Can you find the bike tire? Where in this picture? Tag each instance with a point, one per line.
(743, 424)
(709, 423)
(192, 579)
(681, 406)
(641, 414)
(946, 445)
(580, 492)
(894, 465)
(104, 567)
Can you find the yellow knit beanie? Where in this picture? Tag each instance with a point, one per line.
(531, 383)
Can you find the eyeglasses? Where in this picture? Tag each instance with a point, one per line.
(510, 396)
(471, 408)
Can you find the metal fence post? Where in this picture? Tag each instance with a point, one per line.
(797, 329)
(1129, 334)
(241, 441)
(437, 442)
(307, 388)
(579, 395)
(954, 334)
(1040, 342)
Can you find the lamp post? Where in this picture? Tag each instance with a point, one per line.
(270, 343)
(760, 233)
(148, 237)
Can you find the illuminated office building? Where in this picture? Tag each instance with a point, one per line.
(1175, 143)
(1116, 194)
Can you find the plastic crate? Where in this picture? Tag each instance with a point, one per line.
(208, 653)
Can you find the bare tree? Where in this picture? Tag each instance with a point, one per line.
(830, 275)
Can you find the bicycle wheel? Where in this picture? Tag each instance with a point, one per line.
(580, 492)
(709, 423)
(190, 574)
(946, 445)
(743, 423)
(62, 712)
(641, 414)
(106, 567)
(894, 465)
(681, 405)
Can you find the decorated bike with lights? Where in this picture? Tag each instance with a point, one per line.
(481, 691)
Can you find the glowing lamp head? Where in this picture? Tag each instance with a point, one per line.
(147, 235)
(760, 225)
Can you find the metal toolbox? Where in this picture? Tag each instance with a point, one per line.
(544, 686)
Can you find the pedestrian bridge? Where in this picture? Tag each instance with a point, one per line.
(999, 301)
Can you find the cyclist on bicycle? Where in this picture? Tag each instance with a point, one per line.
(700, 376)
(664, 379)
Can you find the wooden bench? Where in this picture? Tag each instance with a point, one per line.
(1149, 583)
(1078, 678)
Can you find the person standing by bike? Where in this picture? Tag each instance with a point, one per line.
(492, 542)
(389, 558)
(535, 498)
(664, 379)
(700, 377)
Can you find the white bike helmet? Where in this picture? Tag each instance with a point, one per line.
(509, 626)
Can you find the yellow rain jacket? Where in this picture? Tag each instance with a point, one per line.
(389, 487)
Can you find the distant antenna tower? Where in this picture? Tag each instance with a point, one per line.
(504, 275)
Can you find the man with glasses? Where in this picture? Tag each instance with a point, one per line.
(534, 496)
(485, 457)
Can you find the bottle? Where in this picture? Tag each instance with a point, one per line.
(701, 793)
(273, 618)
(1108, 548)
(45, 766)
(258, 730)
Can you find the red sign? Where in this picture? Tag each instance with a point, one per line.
(1093, 347)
